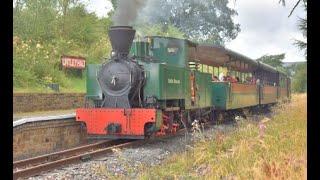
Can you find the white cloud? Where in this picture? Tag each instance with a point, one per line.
(266, 29)
(100, 7)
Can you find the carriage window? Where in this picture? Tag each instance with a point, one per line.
(172, 50)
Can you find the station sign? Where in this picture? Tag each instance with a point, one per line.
(73, 62)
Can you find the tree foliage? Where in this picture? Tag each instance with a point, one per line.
(158, 30)
(276, 62)
(207, 21)
(299, 83)
(298, 71)
(44, 30)
(273, 60)
(302, 24)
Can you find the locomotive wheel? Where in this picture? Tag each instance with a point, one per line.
(149, 130)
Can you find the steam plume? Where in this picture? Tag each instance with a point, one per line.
(127, 11)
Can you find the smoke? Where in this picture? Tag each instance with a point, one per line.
(127, 11)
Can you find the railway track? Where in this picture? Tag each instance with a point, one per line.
(36, 165)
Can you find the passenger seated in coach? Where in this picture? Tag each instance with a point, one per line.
(253, 80)
(221, 77)
(231, 79)
(248, 79)
(234, 79)
(258, 81)
(228, 78)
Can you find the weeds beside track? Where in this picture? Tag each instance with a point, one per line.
(270, 149)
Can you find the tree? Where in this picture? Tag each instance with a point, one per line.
(276, 62)
(79, 25)
(35, 19)
(158, 30)
(301, 44)
(299, 83)
(273, 60)
(283, 2)
(44, 30)
(207, 21)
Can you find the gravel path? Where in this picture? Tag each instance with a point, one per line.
(129, 161)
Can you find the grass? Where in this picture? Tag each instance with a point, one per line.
(75, 85)
(271, 149)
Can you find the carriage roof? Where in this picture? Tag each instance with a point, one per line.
(215, 55)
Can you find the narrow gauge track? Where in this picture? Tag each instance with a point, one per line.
(36, 165)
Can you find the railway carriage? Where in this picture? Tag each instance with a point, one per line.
(156, 85)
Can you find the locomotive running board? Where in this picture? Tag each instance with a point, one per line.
(104, 137)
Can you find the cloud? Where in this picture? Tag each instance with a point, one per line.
(266, 29)
(100, 7)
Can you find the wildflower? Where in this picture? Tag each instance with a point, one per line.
(38, 46)
(16, 40)
(195, 125)
(262, 128)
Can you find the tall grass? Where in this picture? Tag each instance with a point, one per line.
(271, 149)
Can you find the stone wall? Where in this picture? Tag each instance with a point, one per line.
(28, 102)
(37, 138)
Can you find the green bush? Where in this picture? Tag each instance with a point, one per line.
(299, 82)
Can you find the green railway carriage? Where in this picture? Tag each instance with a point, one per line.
(230, 95)
(268, 83)
(268, 94)
(284, 90)
(241, 94)
(234, 95)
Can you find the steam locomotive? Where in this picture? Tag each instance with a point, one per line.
(155, 85)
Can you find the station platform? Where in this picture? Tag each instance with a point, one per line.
(17, 116)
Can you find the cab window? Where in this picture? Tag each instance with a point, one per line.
(172, 50)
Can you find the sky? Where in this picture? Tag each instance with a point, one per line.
(265, 27)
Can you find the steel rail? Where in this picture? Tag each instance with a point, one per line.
(56, 155)
(45, 166)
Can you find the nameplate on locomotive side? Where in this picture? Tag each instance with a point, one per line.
(173, 81)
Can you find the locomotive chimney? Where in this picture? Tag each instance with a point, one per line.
(121, 38)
